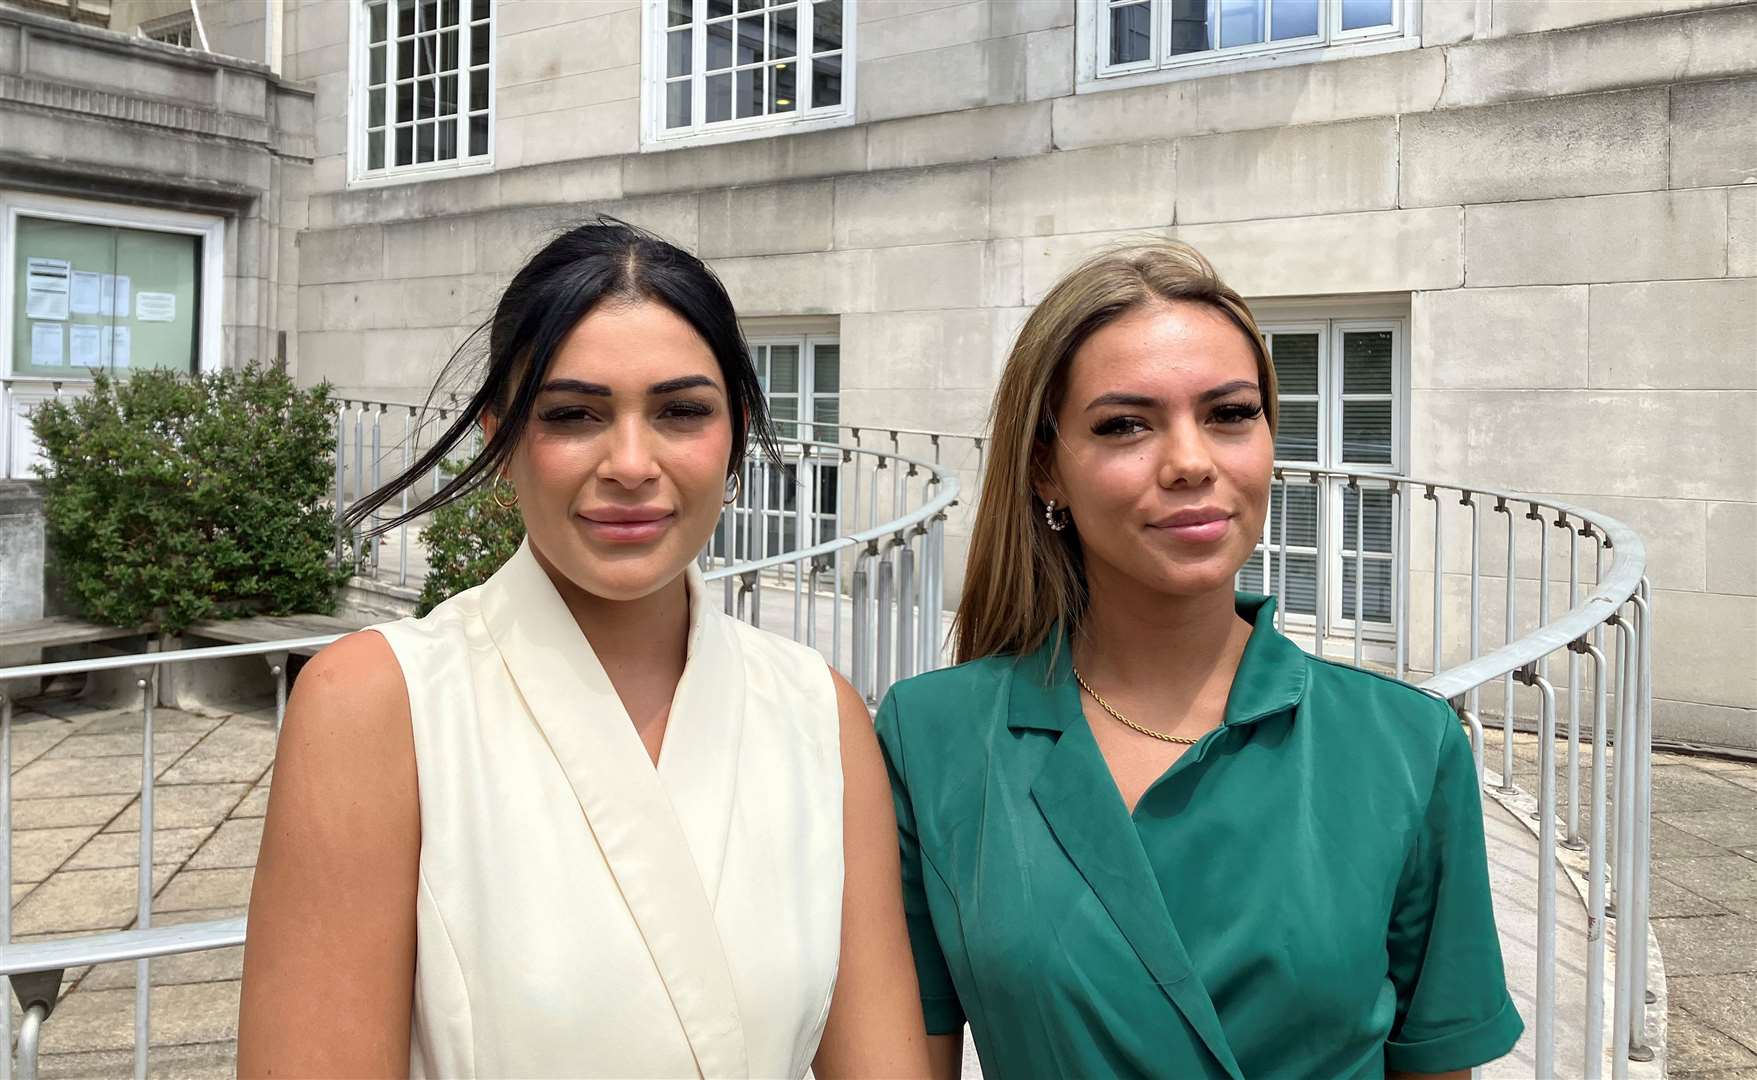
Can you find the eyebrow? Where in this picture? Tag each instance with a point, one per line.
(669, 386)
(1146, 401)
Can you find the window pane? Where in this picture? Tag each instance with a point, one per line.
(747, 96)
(478, 134)
(1297, 439)
(826, 25)
(376, 15)
(448, 51)
(448, 13)
(1189, 27)
(677, 104)
(1359, 14)
(826, 81)
(783, 32)
(448, 95)
(428, 17)
(1296, 362)
(750, 40)
(784, 369)
(826, 369)
(405, 17)
(376, 64)
(1131, 33)
(479, 89)
(1377, 537)
(426, 55)
(717, 8)
(1367, 356)
(1366, 432)
(406, 59)
(479, 39)
(677, 53)
(826, 410)
(1375, 589)
(1241, 22)
(782, 87)
(424, 143)
(784, 409)
(719, 104)
(375, 109)
(406, 145)
(1293, 19)
(426, 95)
(448, 140)
(1302, 580)
(1301, 511)
(679, 13)
(405, 101)
(719, 46)
(375, 150)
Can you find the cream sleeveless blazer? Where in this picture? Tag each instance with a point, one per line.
(583, 913)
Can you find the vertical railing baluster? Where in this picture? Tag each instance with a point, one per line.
(1621, 1006)
(1637, 923)
(6, 873)
(1439, 579)
(1571, 840)
(1469, 499)
(1595, 885)
(1321, 601)
(1546, 875)
(144, 881)
(1507, 787)
(1360, 565)
(1281, 597)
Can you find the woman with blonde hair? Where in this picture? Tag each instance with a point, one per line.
(1143, 833)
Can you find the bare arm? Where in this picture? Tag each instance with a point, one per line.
(875, 1026)
(945, 1056)
(329, 967)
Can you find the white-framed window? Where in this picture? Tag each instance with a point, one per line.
(421, 92)
(1344, 391)
(723, 69)
(177, 28)
(1147, 39)
(801, 378)
(88, 286)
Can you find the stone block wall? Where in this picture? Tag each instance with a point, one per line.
(1560, 196)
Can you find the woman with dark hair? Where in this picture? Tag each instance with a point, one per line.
(578, 821)
(1143, 834)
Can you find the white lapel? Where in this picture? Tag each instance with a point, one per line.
(653, 856)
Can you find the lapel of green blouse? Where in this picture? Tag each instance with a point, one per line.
(1079, 800)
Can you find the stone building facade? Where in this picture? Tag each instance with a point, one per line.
(1509, 243)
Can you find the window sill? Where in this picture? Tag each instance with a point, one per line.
(416, 176)
(1231, 65)
(746, 134)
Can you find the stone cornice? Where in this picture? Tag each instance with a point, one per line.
(108, 105)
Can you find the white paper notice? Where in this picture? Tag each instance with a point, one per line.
(85, 292)
(120, 346)
(46, 288)
(156, 307)
(114, 291)
(86, 344)
(46, 344)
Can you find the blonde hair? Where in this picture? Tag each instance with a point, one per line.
(1023, 581)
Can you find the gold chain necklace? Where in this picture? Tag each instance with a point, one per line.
(1107, 707)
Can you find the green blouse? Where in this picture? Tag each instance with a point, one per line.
(1304, 893)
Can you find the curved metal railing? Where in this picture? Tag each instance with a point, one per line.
(859, 556)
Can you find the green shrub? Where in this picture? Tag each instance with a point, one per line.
(171, 499)
(467, 541)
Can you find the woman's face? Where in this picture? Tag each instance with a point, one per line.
(1163, 455)
(621, 471)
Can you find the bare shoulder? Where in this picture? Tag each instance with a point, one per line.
(860, 749)
(348, 719)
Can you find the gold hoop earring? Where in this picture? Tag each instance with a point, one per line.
(494, 493)
(735, 486)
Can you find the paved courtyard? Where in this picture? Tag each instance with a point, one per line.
(76, 779)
